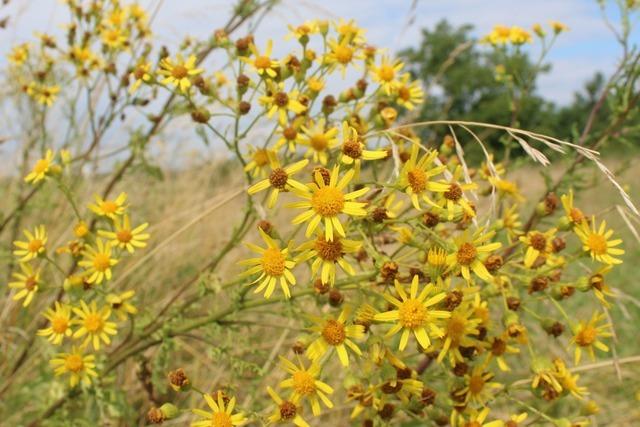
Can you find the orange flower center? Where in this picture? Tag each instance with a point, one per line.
(288, 410)
(109, 207)
(93, 322)
(454, 192)
(124, 236)
(455, 328)
(261, 157)
(35, 245)
(179, 72)
(576, 215)
(328, 201)
(262, 62)
(538, 241)
(597, 244)
(586, 336)
(343, 54)
(303, 383)
(221, 419)
(476, 384)
(417, 180)
(319, 142)
(404, 93)
(386, 73)
(101, 262)
(41, 166)
(30, 283)
(466, 253)
(59, 324)
(329, 250)
(412, 313)
(333, 332)
(74, 363)
(273, 262)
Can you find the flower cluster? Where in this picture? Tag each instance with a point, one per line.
(85, 311)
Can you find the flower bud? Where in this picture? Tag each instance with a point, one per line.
(169, 411)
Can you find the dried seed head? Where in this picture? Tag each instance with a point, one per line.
(493, 263)
(513, 303)
(335, 298)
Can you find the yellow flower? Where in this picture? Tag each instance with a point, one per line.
(280, 180)
(413, 314)
(19, 54)
(597, 243)
(573, 215)
(586, 336)
(304, 384)
(568, 381)
(291, 135)
(458, 332)
(94, 324)
(77, 365)
(279, 101)
(60, 323)
(141, 73)
(113, 38)
(337, 334)
(326, 254)
(341, 53)
(315, 84)
(409, 93)
(497, 350)
(353, 148)
(302, 31)
(350, 30)
(34, 246)
(319, 140)
(124, 237)
(537, 28)
(390, 209)
(273, 264)
(538, 245)
(453, 195)
(415, 177)
(385, 74)
(43, 94)
(519, 36)
(179, 73)
(262, 63)
(478, 386)
(506, 188)
(511, 222)
(98, 262)
(558, 27)
(286, 411)
(324, 202)
(81, 229)
(40, 168)
(499, 35)
(260, 159)
(28, 282)
(120, 304)
(109, 208)
(221, 414)
(469, 249)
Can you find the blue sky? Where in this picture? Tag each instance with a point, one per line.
(588, 47)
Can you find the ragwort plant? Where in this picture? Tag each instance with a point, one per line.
(431, 288)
